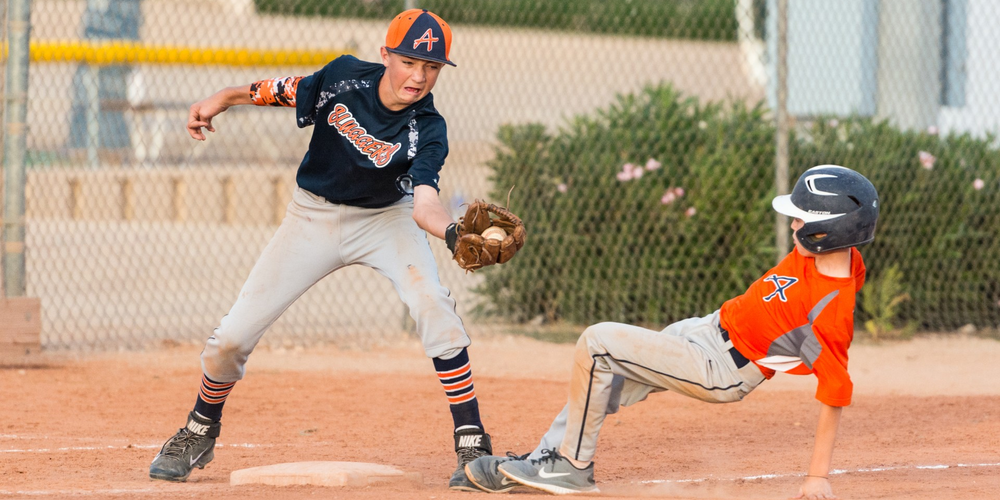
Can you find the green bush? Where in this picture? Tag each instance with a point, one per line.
(881, 299)
(689, 19)
(607, 249)
(641, 251)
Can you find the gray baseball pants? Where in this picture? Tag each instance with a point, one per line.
(315, 239)
(619, 365)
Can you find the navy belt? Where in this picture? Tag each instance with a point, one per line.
(738, 358)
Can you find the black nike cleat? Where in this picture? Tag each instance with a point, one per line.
(192, 446)
(470, 444)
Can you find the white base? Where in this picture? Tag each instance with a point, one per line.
(322, 474)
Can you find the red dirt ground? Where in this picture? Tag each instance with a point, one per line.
(923, 424)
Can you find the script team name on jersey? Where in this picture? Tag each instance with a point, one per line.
(379, 152)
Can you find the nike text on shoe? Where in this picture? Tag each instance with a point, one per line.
(192, 446)
(470, 444)
(552, 474)
(483, 473)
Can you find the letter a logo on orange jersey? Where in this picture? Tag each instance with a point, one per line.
(427, 38)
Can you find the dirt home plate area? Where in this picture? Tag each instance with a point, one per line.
(924, 425)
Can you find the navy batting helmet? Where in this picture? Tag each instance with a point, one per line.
(838, 205)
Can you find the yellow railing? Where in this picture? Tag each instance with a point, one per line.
(105, 53)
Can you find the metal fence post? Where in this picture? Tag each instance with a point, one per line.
(408, 324)
(781, 131)
(15, 145)
(93, 114)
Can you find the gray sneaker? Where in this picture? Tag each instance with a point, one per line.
(470, 444)
(552, 474)
(483, 473)
(192, 446)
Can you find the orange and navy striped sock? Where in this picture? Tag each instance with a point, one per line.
(211, 397)
(455, 375)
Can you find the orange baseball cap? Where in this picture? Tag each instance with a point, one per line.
(420, 34)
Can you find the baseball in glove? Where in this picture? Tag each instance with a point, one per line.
(476, 245)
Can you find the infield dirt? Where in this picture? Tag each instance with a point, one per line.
(923, 424)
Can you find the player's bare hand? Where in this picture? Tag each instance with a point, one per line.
(201, 113)
(815, 488)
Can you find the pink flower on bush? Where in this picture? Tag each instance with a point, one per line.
(562, 187)
(932, 130)
(978, 184)
(629, 171)
(927, 160)
(652, 164)
(833, 123)
(690, 211)
(671, 195)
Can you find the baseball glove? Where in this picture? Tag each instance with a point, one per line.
(473, 250)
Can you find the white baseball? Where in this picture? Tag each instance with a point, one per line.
(494, 233)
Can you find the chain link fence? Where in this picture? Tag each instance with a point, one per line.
(640, 135)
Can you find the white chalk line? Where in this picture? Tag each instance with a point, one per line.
(111, 491)
(255, 445)
(30, 437)
(42, 437)
(124, 446)
(120, 491)
(149, 446)
(833, 472)
(189, 487)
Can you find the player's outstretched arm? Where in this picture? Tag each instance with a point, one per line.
(817, 483)
(201, 113)
(429, 213)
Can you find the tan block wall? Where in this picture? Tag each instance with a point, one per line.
(228, 195)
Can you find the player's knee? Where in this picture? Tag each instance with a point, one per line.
(428, 296)
(593, 335)
(596, 330)
(217, 348)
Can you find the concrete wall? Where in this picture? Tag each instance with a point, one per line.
(981, 112)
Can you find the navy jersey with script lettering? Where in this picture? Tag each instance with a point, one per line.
(361, 152)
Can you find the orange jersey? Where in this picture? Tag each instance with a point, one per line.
(796, 320)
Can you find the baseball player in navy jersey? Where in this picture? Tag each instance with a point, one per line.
(367, 194)
(798, 318)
